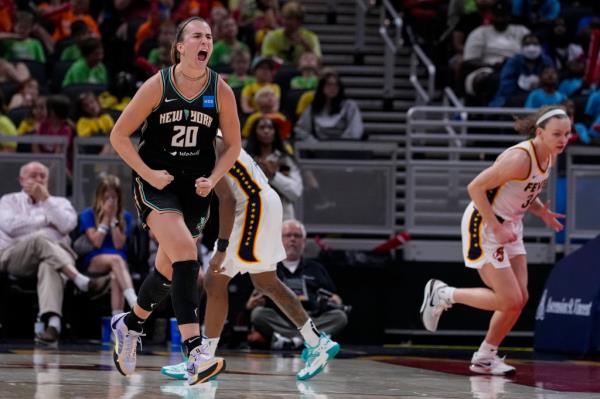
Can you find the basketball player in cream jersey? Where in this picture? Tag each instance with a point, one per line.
(250, 241)
(492, 233)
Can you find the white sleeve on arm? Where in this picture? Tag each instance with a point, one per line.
(355, 128)
(13, 222)
(288, 186)
(473, 49)
(61, 214)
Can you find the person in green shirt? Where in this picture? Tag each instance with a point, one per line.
(289, 42)
(221, 55)
(240, 64)
(79, 32)
(24, 47)
(309, 68)
(90, 68)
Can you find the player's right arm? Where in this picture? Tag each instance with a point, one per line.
(512, 165)
(226, 219)
(141, 105)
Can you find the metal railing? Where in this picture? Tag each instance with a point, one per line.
(388, 17)
(423, 96)
(360, 22)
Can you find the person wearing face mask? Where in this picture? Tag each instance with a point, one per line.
(486, 49)
(547, 93)
(520, 74)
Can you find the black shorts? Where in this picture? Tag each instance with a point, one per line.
(179, 196)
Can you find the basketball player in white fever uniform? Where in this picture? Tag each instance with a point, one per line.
(492, 233)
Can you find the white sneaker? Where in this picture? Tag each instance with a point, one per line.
(490, 363)
(126, 341)
(317, 357)
(201, 367)
(433, 305)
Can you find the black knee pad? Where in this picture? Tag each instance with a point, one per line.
(154, 289)
(185, 293)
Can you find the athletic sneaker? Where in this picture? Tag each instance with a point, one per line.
(201, 367)
(176, 371)
(126, 341)
(433, 305)
(490, 363)
(318, 356)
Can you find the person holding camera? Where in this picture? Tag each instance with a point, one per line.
(313, 286)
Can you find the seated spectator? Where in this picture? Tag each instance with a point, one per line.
(90, 68)
(267, 104)
(63, 16)
(80, 31)
(290, 41)
(224, 47)
(34, 241)
(312, 284)
(561, 47)
(7, 128)
(93, 121)
(267, 18)
(547, 94)
(31, 123)
(151, 48)
(521, 73)
(17, 72)
(22, 46)
(309, 66)
(106, 226)
(57, 124)
(580, 132)
(147, 31)
(240, 64)
(26, 96)
(121, 90)
(330, 116)
(486, 49)
(536, 13)
(264, 69)
(573, 82)
(7, 11)
(264, 144)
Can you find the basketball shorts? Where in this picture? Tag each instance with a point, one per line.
(179, 196)
(255, 244)
(480, 245)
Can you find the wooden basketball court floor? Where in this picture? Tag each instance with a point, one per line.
(28, 372)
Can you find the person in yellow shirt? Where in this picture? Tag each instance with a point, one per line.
(92, 121)
(264, 69)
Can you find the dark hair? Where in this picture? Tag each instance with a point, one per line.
(79, 105)
(318, 102)
(253, 145)
(89, 45)
(59, 105)
(78, 27)
(527, 125)
(179, 36)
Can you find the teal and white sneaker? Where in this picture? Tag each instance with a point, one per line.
(175, 371)
(202, 367)
(317, 357)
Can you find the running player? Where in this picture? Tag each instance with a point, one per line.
(492, 233)
(175, 171)
(252, 244)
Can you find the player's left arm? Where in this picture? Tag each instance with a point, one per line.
(543, 211)
(229, 124)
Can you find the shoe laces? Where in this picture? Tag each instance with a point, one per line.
(441, 307)
(130, 342)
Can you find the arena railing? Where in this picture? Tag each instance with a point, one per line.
(583, 194)
(390, 19)
(423, 96)
(360, 17)
(444, 152)
(12, 161)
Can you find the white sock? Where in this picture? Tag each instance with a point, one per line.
(82, 282)
(447, 294)
(310, 333)
(211, 344)
(130, 296)
(54, 321)
(487, 348)
(117, 311)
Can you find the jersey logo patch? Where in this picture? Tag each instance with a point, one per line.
(208, 101)
(168, 100)
(499, 254)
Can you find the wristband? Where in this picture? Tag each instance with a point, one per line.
(103, 228)
(222, 244)
(114, 223)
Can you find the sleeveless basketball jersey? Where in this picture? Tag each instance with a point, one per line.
(178, 134)
(246, 179)
(512, 199)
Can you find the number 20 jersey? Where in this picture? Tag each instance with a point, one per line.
(178, 134)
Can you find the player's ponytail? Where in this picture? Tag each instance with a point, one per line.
(528, 124)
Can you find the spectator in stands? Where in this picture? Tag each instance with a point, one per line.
(547, 94)
(580, 132)
(312, 284)
(267, 104)
(266, 147)
(572, 84)
(537, 14)
(7, 11)
(561, 46)
(90, 68)
(80, 31)
(159, 14)
(34, 241)
(521, 73)
(22, 46)
(227, 43)
(17, 72)
(264, 69)
(486, 49)
(63, 16)
(106, 226)
(7, 128)
(31, 123)
(57, 124)
(93, 121)
(290, 41)
(330, 116)
(121, 90)
(240, 65)
(309, 66)
(152, 48)
(29, 91)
